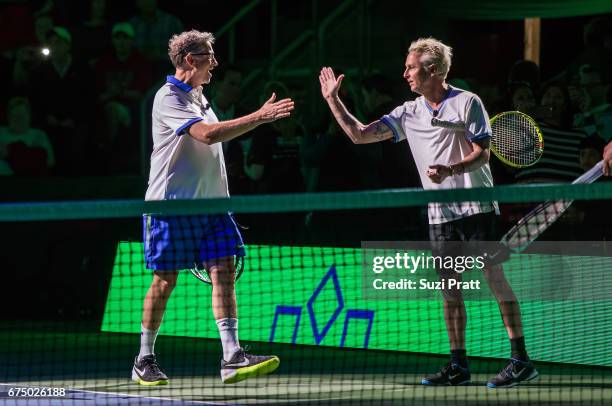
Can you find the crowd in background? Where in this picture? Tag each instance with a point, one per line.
(66, 111)
(75, 109)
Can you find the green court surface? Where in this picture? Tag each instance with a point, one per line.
(95, 368)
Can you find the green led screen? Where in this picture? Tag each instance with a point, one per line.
(313, 295)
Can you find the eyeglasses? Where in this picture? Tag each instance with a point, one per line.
(211, 55)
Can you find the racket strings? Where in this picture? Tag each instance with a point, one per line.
(516, 139)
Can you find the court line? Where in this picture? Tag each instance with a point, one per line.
(104, 395)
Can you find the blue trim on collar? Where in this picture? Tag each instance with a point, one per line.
(181, 85)
(442, 103)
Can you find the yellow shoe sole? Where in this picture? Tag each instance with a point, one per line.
(154, 383)
(254, 371)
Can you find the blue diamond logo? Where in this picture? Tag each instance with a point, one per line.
(332, 275)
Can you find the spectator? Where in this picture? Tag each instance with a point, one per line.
(329, 159)
(597, 52)
(23, 150)
(334, 158)
(391, 169)
(591, 149)
(224, 103)
(121, 85)
(591, 213)
(524, 71)
(273, 161)
(521, 97)
(60, 88)
(93, 34)
(29, 57)
(595, 116)
(560, 162)
(153, 27)
(274, 158)
(333, 165)
(227, 91)
(274, 165)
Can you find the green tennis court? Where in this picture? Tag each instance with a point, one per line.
(95, 367)
(306, 300)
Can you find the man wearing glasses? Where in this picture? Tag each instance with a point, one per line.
(187, 163)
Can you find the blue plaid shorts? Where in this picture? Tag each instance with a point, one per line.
(178, 242)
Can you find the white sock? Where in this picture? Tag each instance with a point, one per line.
(228, 329)
(147, 341)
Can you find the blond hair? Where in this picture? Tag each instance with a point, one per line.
(189, 41)
(433, 52)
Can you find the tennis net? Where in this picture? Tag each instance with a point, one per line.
(343, 287)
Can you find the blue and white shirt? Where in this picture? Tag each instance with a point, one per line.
(433, 145)
(182, 167)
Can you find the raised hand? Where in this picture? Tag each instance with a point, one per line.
(329, 83)
(273, 110)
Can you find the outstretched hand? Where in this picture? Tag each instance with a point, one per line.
(273, 110)
(329, 84)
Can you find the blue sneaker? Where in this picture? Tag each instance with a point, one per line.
(451, 374)
(512, 374)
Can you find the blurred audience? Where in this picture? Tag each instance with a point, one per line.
(274, 159)
(332, 158)
(597, 51)
(521, 97)
(28, 58)
(591, 150)
(524, 71)
(24, 151)
(225, 101)
(226, 91)
(60, 87)
(121, 84)
(591, 97)
(153, 28)
(591, 212)
(560, 162)
(393, 166)
(92, 35)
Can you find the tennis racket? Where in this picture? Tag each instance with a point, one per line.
(202, 274)
(516, 138)
(544, 215)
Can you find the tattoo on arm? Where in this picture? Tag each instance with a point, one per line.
(347, 118)
(380, 131)
(377, 131)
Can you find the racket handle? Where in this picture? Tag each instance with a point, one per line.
(447, 124)
(591, 175)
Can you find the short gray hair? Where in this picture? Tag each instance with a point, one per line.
(433, 52)
(189, 41)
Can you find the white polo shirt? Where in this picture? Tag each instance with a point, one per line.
(181, 167)
(431, 145)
